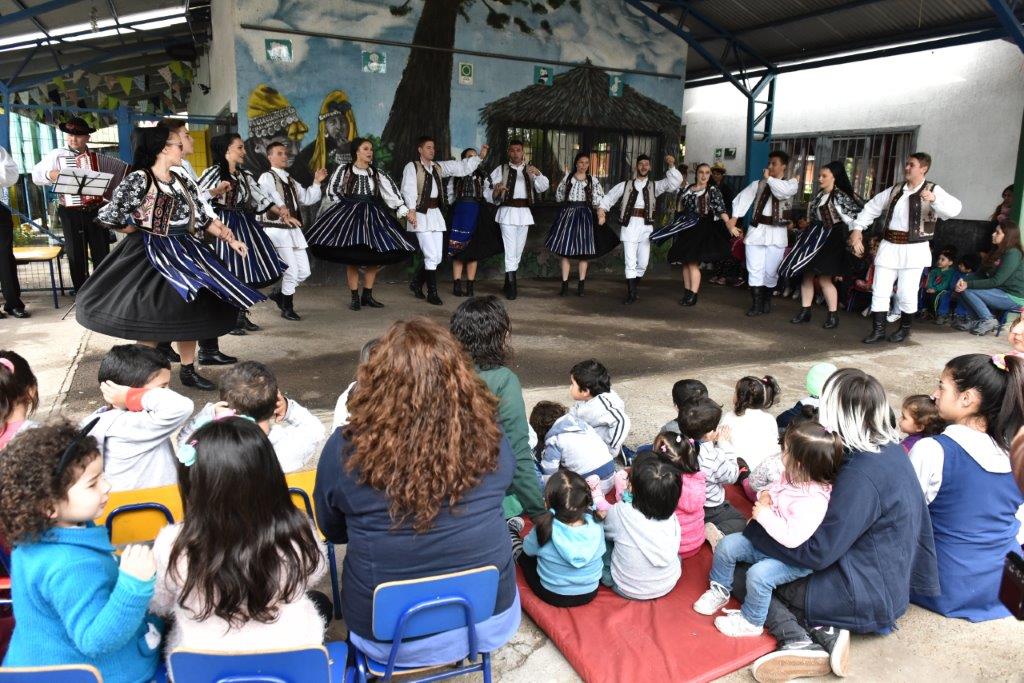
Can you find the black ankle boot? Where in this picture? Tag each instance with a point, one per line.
(631, 295)
(368, 300)
(288, 307)
(277, 297)
(511, 286)
(904, 329)
(507, 287)
(686, 297)
(169, 353)
(832, 321)
(457, 287)
(239, 325)
(877, 328)
(249, 325)
(355, 300)
(416, 284)
(565, 288)
(579, 287)
(190, 378)
(766, 300)
(432, 297)
(469, 288)
(755, 302)
(804, 316)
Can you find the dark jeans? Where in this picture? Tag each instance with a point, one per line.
(83, 241)
(787, 618)
(728, 519)
(529, 566)
(8, 268)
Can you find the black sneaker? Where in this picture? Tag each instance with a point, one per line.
(795, 659)
(836, 642)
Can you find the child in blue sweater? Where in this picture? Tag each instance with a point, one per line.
(73, 604)
(561, 559)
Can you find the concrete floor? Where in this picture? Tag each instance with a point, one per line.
(647, 347)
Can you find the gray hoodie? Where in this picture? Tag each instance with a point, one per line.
(575, 445)
(645, 558)
(606, 413)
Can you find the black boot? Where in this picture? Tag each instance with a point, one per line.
(686, 297)
(904, 329)
(210, 354)
(766, 300)
(169, 353)
(579, 287)
(287, 307)
(565, 288)
(755, 302)
(416, 284)
(239, 325)
(457, 287)
(877, 328)
(368, 300)
(249, 325)
(832, 321)
(511, 286)
(190, 378)
(631, 295)
(689, 298)
(354, 305)
(507, 288)
(469, 288)
(277, 297)
(432, 297)
(804, 316)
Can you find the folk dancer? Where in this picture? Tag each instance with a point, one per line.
(474, 235)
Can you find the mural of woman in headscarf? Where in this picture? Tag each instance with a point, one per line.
(271, 119)
(335, 132)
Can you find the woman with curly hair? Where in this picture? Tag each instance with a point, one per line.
(73, 602)
(414, 483)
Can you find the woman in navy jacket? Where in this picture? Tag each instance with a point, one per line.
(872, 549)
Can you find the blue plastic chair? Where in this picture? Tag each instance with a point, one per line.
(307, 665)
(428, 606)
(332, 561)
(78, 673)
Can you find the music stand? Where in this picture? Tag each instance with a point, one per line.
(82, 182)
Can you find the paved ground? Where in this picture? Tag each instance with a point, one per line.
(647, 347)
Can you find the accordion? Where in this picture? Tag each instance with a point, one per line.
(103, 164)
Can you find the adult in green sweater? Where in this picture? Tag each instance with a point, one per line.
(1004, 290)
(482, 326)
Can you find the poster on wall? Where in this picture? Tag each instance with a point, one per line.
(465, 73)
(375, 62)
(615, 85)
(278, 50)
(543, 75)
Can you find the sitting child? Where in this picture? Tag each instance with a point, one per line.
(684, 391)
(754, 434)
(814, 383)
(134, 429)
(239, 580)
(341, 407)
(771, 468)
(565, 440)
(562, 554)
(941, 280)
(698, 421)
(598, 405)
(790, 511)
(968, 267)
(919, 419)
(644, 532)
(73, 602)
(19, 395)
(683, 453)
(250, 389)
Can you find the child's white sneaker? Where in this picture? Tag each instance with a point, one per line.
(735, 625)
(713, 534)
(714, 599)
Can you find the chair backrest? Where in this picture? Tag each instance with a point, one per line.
(79, 673)
(306, 665)
(137, 522)
(478, 587)
(168, 496)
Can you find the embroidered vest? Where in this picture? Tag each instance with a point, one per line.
(922, 219)
(629, 202)
(291, 202)
(827, 213)
(510, 187)
(588, 189)
(471, 186)
(780, 207)
(348, 182)
(425, 182)
(155, 212)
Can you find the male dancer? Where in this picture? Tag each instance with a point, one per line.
(911, 211)
(636, 215)
(424, 192)
(514, 193)
(9, 284)
(286, 231)
(767, 237)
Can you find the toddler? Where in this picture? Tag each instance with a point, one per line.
(814, 382)
(967, 267)
(134, 429)
(562, 554)
(565, 440)
(941, 280)
(771, 468)
(684, 391)
(73, 602)
(754, 434)
(919, 419)
(683, 453)
(790, 511)
(598, 405)
(19, 395)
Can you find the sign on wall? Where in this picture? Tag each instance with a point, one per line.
(375, 62)
(543, 75)
(465, 73)
(278, 50)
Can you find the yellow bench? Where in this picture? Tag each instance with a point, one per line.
(49, 255)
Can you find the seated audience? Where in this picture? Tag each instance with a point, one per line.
(753, 433)
(341, 407)
(684, 391)
(684, 454)
(950, 303)
(597, 404)
(698, 421)
(814, 382)
(941, 279)
(566, 441)
(989, 297)
(19, 395)
(919, 418)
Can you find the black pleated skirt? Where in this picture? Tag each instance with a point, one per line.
(705, 242)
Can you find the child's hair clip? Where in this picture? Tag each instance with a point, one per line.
(187, 453)
(6, 362)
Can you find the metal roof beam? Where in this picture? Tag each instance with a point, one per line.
(31, 12)
(720, 33)
(1009, 20)
(21, 67)
(46, 32)
(825, 11)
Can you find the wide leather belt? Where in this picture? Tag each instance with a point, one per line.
(639, 213)
(518, 203)
(896, 236)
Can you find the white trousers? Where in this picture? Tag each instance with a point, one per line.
(908, 284)
(298, 268)
(432, 245)
(636, 255)
(763, 264)
(514, 239)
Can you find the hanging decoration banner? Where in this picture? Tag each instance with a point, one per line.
(126, 84)
(165, 73)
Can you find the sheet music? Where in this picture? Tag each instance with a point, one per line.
(82, 181)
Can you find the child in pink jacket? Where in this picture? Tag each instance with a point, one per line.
(682, 453)
(790, 510)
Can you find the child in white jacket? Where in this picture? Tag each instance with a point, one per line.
(597, 405)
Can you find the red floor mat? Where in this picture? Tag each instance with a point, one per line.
(618, 640)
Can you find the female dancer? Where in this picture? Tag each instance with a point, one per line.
(820, 250)
(237, 206)
(474, 234)
(162, 283)
(355, 226)
(575, 233)
(700, 229)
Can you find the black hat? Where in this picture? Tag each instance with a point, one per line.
(77, 126)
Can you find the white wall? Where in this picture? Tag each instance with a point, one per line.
(217, 67)
(967, 102)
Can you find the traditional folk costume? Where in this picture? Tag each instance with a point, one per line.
(423, 190)
(575, 233)
(904, 252)
(767, 237)
(636, 215)
(162, 283)
(821, 248)
(474, 235)
(700, 235)
(288, 240)
(514, 215)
